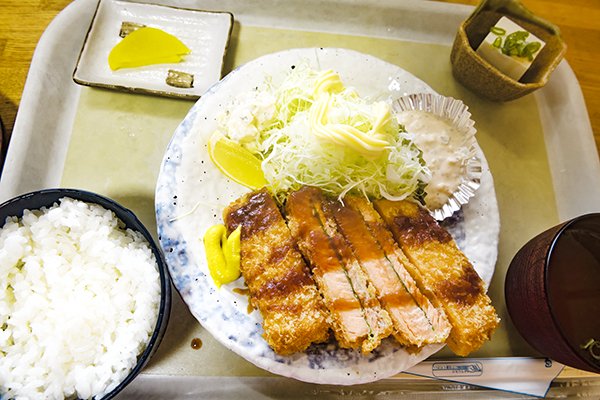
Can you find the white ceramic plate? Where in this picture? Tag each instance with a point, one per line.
(206, 34)
(191, 194)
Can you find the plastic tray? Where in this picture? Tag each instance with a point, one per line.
(49, 104)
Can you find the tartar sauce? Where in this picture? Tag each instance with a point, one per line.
(444, 151)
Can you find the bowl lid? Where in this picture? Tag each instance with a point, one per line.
(573, 286)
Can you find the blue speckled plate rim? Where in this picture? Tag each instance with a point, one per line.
(174, 247)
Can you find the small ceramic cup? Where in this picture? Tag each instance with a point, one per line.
(480, 76)
(552, 292)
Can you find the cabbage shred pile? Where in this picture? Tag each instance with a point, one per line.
(273, 123)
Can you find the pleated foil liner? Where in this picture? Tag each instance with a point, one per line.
(457, 113)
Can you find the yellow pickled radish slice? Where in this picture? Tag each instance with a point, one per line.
(147, 46)
(236, 162)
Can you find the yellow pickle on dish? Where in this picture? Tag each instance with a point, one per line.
(223, 254)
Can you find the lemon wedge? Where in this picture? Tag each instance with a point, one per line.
(236, 162)
(147, 46)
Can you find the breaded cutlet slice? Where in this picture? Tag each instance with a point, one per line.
(416, 321)
(358, 319)
(278, 279)
(443, 273)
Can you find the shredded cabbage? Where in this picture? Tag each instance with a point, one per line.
(280, 133)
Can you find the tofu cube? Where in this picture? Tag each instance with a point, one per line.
(510, 48)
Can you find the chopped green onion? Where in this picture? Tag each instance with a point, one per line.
(496, 30)
(531, 49)
(515, 45)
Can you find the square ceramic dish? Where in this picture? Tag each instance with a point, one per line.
(205, 33)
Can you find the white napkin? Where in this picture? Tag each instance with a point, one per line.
(531, 376)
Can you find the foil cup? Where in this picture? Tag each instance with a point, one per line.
(456, 113)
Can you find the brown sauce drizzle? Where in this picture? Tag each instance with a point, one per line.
(420, 230)
(196, 343)
(256, 214)
(354, 228)
(288, 284)
(341, 305)
(323, 257)
(400, 299)
(279, 253)
(412, 225)
(465, 289)
(245, 292)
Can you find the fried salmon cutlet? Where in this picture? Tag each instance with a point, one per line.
(443, 273)
(357, 319)
(416, 321)
(278, 279)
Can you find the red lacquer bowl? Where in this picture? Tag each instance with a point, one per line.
(552, 291)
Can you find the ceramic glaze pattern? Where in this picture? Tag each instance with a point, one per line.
(191, 194)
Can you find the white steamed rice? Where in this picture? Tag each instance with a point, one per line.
(79, 301)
